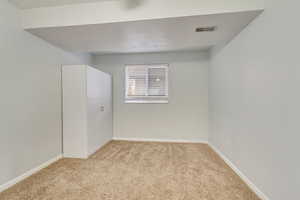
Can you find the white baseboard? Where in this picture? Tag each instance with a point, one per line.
(160, 140)
(250, 184)
(28, 173)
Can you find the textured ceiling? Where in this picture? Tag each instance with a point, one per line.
(172, 34)
(27, 4)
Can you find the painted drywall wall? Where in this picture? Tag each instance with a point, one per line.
(184, 118)
(30, 130)
(254, 100)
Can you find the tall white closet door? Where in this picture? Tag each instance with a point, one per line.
(74, 111)
(99, 109)
(107, 119)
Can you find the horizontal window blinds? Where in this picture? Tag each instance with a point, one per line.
(146, 84)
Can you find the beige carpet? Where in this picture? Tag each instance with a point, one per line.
(136, 171)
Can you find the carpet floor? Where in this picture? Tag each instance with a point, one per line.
(136, 171)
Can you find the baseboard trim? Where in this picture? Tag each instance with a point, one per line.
(250, 184)
(20, 178)
(160, 140)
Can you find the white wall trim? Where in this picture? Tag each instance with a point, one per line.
(160, 140)
(28, 173)
(250, 184)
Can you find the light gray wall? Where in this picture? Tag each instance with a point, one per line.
(254, 96)
(30, 130)
(186, 115)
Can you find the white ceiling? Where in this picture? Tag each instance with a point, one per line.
(172, 34)
(27, 4)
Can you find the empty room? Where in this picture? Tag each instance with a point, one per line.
(149, 100)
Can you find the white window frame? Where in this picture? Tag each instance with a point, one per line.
(148, 99)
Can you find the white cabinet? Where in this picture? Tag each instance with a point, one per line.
(87, 110)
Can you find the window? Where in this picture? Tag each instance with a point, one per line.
(146, 84)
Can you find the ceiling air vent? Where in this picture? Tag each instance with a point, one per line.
(206, 29)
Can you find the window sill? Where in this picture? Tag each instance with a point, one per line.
(146, 102)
